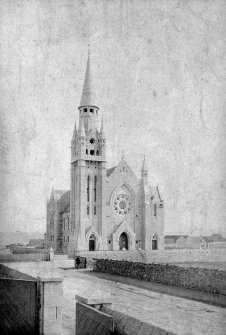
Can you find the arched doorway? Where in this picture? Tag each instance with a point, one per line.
(154, 243)
(92, 243)
(123, 242)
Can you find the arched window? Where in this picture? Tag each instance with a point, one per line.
(97, 152)
(95, 188)
(155, 210)
(68, 224)
(88, 183)
(154, 242)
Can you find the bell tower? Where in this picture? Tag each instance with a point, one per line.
(88, 173)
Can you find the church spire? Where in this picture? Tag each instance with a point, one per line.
(88, 93)
(144, 166)
(144, 171)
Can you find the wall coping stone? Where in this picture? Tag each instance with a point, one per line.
(94, 300)
(49, 279)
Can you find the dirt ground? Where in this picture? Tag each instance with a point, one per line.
(175, 314)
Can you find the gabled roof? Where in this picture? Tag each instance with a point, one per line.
(65, 202)
(154, 192)
(110, 170)
(59, 192)
(172, 236)
(36, 242)
(217, 238)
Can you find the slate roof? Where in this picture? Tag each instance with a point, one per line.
(110, 170)
(36, 242)
(65, 202)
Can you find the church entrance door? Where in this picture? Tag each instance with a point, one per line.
(123, 242)
(154, 243)
(92, 243)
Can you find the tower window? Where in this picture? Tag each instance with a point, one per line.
(85, 110)
(95, 188)
(92, 152)
(86, 151)
(97, 152)
(88, 182)
(95, 210)
(87, 210)
(91, 110)
(155, 210)
(68, 238)
(92, 140)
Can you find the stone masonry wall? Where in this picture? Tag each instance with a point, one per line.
(200, 279)
(158, 256)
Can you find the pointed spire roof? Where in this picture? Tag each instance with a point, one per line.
(81, 129)
(144, 166)
(74, 133)
(88, 93)
(102, 132)
(52, 194)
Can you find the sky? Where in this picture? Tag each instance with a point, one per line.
(160, 77)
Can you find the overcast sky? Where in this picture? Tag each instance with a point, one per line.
(159, 68)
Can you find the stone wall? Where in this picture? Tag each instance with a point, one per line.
(6, 272)
(158, 256)
(200, 279)
(128, 325)
(36, 257)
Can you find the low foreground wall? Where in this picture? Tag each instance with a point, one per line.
(157, 256)
(27, 257)
(200, 279)
(29, 304)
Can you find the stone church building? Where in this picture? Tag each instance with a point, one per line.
(106, 209)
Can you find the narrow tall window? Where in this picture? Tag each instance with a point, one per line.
(155, 210)
(95, 188)
(88, 182)
(95, 210)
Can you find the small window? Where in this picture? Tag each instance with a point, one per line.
(68, 238)
(86, 151)
(155, 210)
(92, 152)
(95, 210)
(97, 152)
(87, 210)
(92, 140)
(91, 110)
(85, 110)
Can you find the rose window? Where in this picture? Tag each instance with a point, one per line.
(123, 204)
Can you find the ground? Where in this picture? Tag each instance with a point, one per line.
(134, 298)
(169, 312)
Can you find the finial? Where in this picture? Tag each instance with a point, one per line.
(144, 166)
